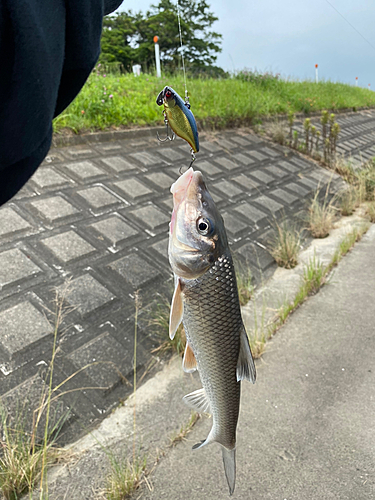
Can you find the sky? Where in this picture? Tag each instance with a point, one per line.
(291, 36)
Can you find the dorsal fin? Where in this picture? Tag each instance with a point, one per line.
(189, 363)
(177, 310)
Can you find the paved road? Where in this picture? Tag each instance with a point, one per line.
(306, 428)
(98, 214)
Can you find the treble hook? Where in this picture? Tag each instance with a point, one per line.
(193, 158)
(168, 137)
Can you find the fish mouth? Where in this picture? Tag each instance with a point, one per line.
(185, 190)
(186, 187)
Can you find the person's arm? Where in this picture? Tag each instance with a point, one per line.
(47, 50)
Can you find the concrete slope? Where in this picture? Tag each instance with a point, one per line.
(306, 428)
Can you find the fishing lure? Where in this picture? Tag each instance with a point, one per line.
(178, 116)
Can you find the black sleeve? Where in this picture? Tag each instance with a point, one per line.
(47, 50)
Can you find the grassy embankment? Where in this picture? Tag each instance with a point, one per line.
(118, 101)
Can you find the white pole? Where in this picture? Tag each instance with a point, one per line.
(316, 74)
(356, 81)
(157, 56)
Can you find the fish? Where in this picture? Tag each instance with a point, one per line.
(179, 117)
(205, 300)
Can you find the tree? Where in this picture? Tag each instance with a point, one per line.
(119, 39)
(129, 37)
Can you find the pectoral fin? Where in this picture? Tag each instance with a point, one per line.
(189, 363)
(177, 310)
(198, 401)
(245, 364)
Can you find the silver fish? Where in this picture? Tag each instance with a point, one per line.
(206, 301)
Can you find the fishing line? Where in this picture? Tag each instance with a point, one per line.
(182, 52)
(354, 28)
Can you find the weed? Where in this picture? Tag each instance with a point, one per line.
(159, 321)
(26, 454)
(344, 168)
(244, 286)
(260, 333)
(347, 243)
(185, 429)
(290, 123)
(278, 132)
(307, 127)
(320, 215)
(370, 211)
(313, 276)
(257, 340)
(348, 200)
(125, 477)
(21, 463)
(286, 245)
(366, 178)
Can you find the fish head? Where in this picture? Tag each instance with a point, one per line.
(167, 97)
(197, 234)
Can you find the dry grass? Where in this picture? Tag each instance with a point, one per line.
(26, 454)
(258, 339)
(278, 132)
(22, 461)
(185, 429)
(286, 245)
(125, 478)
(321, 215)
(348, 200)
(244, 282)
(370, 211)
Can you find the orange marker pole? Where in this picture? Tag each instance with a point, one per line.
(157, 56)
(316, 73)
(356, 81)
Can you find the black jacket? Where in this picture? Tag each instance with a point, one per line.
(47, 51)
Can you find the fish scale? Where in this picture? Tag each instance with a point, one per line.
(213, 330)
(206, 300)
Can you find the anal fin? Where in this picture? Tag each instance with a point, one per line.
(189, 363)
(245, 365)
(198, 401)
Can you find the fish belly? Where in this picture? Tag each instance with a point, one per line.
(213, 323)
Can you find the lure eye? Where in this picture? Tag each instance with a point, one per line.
(168, 94)
(203, 226)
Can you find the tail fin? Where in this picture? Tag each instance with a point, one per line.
(229, 460)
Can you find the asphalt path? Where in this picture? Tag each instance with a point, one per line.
(306, 428)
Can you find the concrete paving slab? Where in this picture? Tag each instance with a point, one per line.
(92, 208)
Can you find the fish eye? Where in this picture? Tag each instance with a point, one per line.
(203, 226)
(168, 94)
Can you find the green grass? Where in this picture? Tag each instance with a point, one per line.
(286, 245)
(215, 103)
(315, 275)
(125, 477)
(244, 282)
(28, 449)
